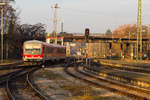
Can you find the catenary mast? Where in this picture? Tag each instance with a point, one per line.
(139, 31)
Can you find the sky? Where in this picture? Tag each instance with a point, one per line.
(98, 15)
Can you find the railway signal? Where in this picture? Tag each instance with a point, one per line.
(87, 32)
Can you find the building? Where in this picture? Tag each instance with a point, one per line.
(148, 30)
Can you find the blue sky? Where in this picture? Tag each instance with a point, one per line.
(98, 15)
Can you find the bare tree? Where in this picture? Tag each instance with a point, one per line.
(125, 30)
(20, 33)
(15, 33)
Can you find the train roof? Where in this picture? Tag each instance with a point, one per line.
(40, 42)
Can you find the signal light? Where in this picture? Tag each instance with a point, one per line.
(87, 32)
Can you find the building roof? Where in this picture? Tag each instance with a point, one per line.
(40, 42)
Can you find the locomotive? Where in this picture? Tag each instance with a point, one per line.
(37, 51)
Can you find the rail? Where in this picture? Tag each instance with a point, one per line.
(33, 86)
(101, 83)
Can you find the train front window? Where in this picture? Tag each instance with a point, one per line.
(33, 51)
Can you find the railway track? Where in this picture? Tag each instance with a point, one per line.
(10, 66)
(138, 79)
(128, 68)
(9, 91)
(17, 70)
(117, 87)
(23, 82)
(12, 80)
(18, 66)
(34, 87)
(10, 75)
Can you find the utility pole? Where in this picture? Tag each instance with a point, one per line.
(2, 4)
(141, 46)
(139, 31)
(55, 22)
(2, 33)
(62, 26)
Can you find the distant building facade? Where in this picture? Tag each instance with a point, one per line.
(148, 30)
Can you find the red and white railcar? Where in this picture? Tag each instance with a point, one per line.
(38, 51)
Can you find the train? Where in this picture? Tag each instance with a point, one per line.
(38, 51)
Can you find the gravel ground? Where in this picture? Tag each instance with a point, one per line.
(3, 94)
(60, 86)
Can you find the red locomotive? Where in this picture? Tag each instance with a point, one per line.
(37, 51)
